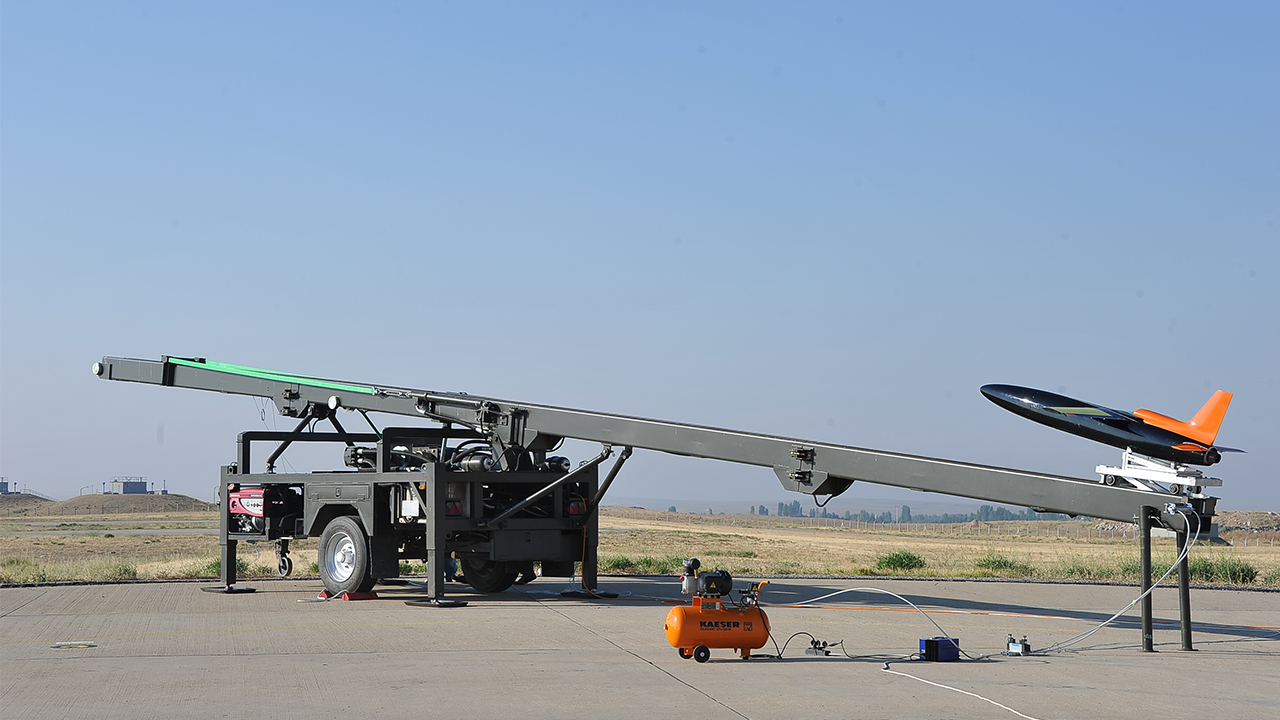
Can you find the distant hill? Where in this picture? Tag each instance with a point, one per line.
(17, 501)
(1247, 521)
(113, 504)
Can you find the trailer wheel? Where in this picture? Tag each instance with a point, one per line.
(1110, 480)
(702, 653)
(344, 557)
(284, 566)
(685, 654)
(488, 576)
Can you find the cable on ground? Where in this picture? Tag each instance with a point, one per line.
(1056, 647)
(963, 692)
(896, 595)
(1191, 540)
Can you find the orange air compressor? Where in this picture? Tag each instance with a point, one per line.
(715, 620)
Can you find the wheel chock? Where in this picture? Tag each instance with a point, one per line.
(359, 596)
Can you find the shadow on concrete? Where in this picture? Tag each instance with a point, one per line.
(784, 595)
(666, 590)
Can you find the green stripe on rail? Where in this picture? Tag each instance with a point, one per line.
(270, 375)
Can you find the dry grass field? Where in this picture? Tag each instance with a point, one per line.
(168, 545)
(639, 540)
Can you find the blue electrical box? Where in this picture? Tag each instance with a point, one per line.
(940, 649)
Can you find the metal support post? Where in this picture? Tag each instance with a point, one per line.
(437, 549)
(228, 570)
(1144, 525)
(590, 556)
(271, 461)
(437, 554)
(227, 573)
(435, 573)
(604, 486)
(1184, 592)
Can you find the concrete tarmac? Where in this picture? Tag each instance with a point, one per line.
(168, 650)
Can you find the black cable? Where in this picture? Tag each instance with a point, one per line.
(906, 658)
(793, 637)
(776, 649)
(895, 658)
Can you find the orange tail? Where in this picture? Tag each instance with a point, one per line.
(1203, 428)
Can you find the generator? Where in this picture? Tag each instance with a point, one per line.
(715, 619)
(261, 509)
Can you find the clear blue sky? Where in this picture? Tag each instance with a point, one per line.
(828, 221)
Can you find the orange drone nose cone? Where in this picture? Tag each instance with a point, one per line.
(1203, 428)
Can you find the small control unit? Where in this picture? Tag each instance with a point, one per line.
(1017, 647)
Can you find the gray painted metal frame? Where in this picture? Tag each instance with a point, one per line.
(802, 466)
(329, 494)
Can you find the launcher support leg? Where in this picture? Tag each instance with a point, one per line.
(1145, 528)
(435, 573)
(228, 563)
(227, 574)
(590, 560)
(437, 549)
(1184, 593)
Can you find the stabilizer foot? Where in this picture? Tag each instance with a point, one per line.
(588, 594)
(436, 603)
(228, 589)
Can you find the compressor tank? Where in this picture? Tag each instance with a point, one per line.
(709, 622)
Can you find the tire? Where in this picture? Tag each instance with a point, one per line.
(488, 576)
(1110, 480)
(344, 557)
(702, 653)
(284, 566)
(685, 654)
(1175, 489)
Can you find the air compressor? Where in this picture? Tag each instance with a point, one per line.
(715, 620)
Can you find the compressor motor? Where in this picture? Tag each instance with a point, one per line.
(714, 584)
(716, 620)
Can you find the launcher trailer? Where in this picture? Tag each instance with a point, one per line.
(486, 488)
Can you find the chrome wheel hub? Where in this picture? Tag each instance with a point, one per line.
(340, 562)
